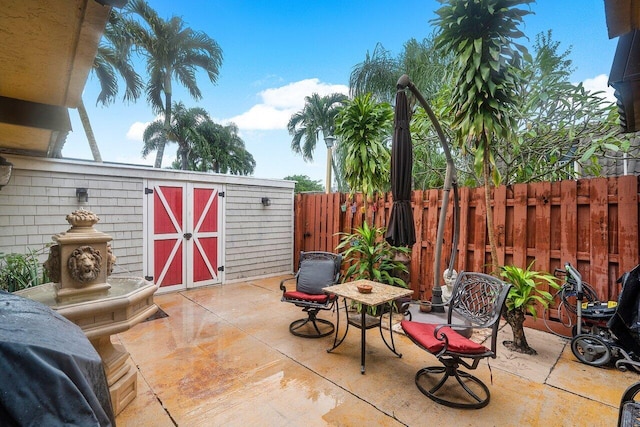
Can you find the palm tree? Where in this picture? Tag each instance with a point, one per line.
(220, 149)
(112, 60)
(378, 74)
(318, 115)
(172, 52)
(364, 127)
(481, 35)
(183, 129)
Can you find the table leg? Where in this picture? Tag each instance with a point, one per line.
(391, 347)
(337, 342)
(363, 337)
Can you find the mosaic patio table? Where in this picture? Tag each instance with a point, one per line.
(380, 295)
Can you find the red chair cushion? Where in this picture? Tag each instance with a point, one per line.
(297, 295)
(422, 333)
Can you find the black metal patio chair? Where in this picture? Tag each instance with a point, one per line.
(316, 270)
(629, 413)
(478, 299)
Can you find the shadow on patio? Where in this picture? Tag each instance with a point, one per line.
(225, 356)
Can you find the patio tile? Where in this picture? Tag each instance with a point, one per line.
(604, 385)
(533, 367)
(225, 356)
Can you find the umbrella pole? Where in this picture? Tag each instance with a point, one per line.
(451, 180)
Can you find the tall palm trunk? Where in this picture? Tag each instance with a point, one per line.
(86, 124)
(486, 175)
(167, 121)
(336, 175)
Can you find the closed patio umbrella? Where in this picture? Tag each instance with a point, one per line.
(450, 182)
(401, 231)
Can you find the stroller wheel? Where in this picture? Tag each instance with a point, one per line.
(591, 350)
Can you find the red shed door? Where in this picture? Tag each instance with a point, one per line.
(184, 237)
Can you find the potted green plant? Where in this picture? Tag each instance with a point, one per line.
(369, 256)
(523, 298)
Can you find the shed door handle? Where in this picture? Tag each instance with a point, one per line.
(187, 235)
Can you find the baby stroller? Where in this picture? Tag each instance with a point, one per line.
(608, 332)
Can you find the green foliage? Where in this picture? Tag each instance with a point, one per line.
(203, 145)
(318, 114)
(480, 34)
(220, 149)
(558, 122)
(172, 51)
(304, 183)
(364, 127)
(378, 74)
(371, 257)
(182, 130)
(113, 59)
(20, 271)
(524, 294)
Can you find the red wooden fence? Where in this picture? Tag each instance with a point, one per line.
(591, 223)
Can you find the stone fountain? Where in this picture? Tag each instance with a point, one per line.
(79, 264)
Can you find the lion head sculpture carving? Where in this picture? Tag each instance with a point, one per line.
(84, 264)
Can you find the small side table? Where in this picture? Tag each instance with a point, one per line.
(380, 294)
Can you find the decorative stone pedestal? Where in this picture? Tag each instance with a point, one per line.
(128, 302)
(122, 375)
(78, 265)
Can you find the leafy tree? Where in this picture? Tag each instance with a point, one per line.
(364, 127)
(172, 51)
(379, 72)
(183, 130)
(220, 149)
(317, 115)
(305, 184)
(113, 60)
(558, 123)
(480, 34)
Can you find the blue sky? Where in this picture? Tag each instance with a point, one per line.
(278, 52)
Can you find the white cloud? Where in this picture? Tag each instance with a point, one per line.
(600, 84)
(280, 103)
(136, 130)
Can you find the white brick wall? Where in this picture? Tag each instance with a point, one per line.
(33, 207)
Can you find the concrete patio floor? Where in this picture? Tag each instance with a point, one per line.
(224, 357)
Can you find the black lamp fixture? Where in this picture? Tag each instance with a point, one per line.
(5, 171)
(82, 194)
(266, 201)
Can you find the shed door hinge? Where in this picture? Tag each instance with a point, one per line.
(148, 191)
(221, 268)
(221, 193)
(148, 278)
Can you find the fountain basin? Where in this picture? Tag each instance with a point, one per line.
(126, 303)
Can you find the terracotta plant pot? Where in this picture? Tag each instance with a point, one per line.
(425, 306)
(364, 289)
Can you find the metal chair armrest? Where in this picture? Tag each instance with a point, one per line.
(283, 281)
(456, 326)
